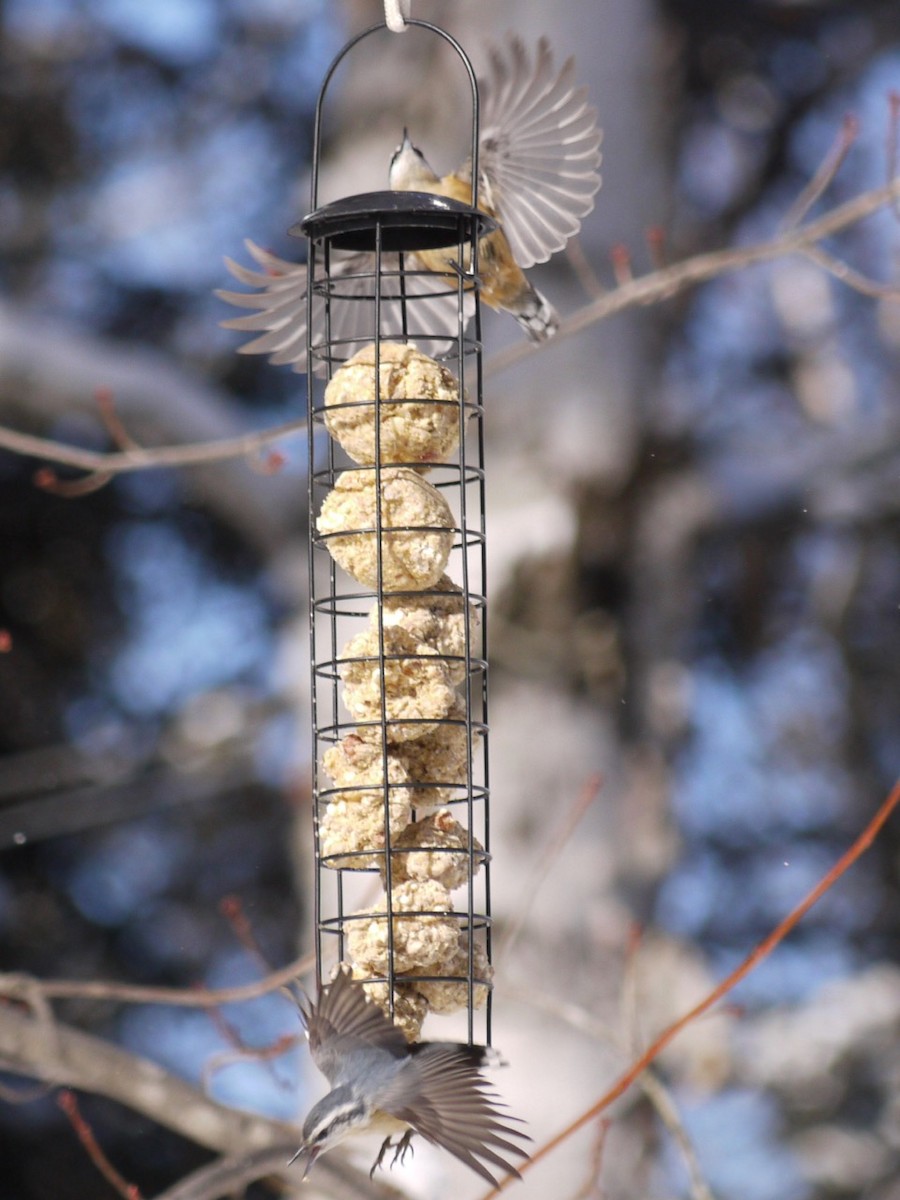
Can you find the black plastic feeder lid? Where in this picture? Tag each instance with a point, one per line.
(408, 221)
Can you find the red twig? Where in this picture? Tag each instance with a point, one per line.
(232, 910)
(113, 422)
(620, 256)
(267, 464)
(656, 246)
(48, 481)
(67, 1102)
(585, 273)
(226, 1030)
(756, 956)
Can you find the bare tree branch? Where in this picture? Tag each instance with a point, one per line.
(652, 288)
(117, 461)
(669, 282)
(77, 1060)
(49, 372)
(40, 991)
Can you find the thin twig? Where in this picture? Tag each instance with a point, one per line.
(230, 1175)
(149, 458)
(663, 285)
(67, 1102)
(124, 993)
(584, 272)
(79, 1060)
(893, 143)
(585, 798)
(656, 246)
(667, 1111)
(590, 1189)
(232, 910)
(651, 288)
(756, 956)
(48, 481)
(620, 257)
(585, 1022)
(824, 177)
(244, 1054)
(114, 425)
(852, 278)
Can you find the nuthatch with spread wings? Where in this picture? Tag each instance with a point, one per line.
(539, 151)
(503, 282)
(380, 1083)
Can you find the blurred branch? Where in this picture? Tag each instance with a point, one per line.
(583, 801)
(753, 959)
(41, 991)
(77, 1060)
(846, 274)
(69, 1105)
(649, 1082)
(652, 288)
(824, 176)
(117, 461)
(228, 1176)
(51, 373)
(657, 286)
(667, 1111)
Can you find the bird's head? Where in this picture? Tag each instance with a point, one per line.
(335, 1116)
(409, 167)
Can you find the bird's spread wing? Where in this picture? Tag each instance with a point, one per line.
(342, 1017)
(429, 314)
(441, 1094)
(539, 149)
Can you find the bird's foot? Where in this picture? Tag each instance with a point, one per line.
(385, 1146)
(403, 1147)
(400, 1149)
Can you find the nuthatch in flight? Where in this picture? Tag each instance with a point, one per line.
(539, 151)
(503, 282)
(380, 1083)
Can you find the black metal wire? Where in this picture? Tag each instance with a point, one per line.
(403, 222)
(336, 62)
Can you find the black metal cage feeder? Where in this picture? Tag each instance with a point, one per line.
(400, 776)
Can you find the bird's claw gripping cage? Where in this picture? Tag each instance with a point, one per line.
(400, 777)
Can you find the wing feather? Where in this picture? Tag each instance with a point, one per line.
(280, 307)
(442, 1095)
(342, 1017)
(540, 149)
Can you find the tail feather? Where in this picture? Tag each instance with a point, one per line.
(537, 316)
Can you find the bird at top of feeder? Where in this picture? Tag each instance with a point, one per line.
(504, 285)
(539, 153)
(382, 1084)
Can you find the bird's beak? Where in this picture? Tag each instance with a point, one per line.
(406, 139)
(308, 1154)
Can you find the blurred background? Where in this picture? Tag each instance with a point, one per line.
(695, 580)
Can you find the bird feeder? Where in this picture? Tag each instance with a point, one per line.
(398, 593)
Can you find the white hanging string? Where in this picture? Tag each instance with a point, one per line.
(396, 14)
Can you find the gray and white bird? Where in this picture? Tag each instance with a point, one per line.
(380, 1083)
(539, 153)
